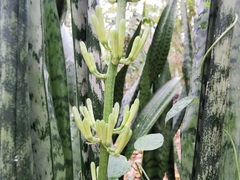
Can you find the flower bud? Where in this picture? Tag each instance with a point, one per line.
(126, 114)
(93, 171)
(89, 59)
(142, 42)
(85, 113)
(88, 134)
(99, 129)
(96, 26)
(78, 120)
(98, 23)
(105, 131)
(111, 124)
(114, 44)
(101, 21)
(133, 112)
(90, 110)
(123, 139)
(129, 59)
(115, 112)
(121, 36)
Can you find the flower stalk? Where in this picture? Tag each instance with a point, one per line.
(101, 131)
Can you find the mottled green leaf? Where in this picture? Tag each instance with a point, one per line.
(158, 52)
(212, 109)
(15, 136)
(228, 169)
(189, 124)
(188, 47)
(55, 64)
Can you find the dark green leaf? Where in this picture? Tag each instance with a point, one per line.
(158, 52)
(188, 47)
(55, 64)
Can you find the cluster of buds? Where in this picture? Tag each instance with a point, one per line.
(101, 131)
(114, 45)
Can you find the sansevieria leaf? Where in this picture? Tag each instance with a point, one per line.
(15, 141)
(188, 48)
(158, 51)
(55, 63)
(151, 112)
(179, 106)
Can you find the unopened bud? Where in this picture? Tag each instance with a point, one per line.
(121, 36)
(78, 120)
(114, 44)
(133, 112)
(93, 171)
(123, 139)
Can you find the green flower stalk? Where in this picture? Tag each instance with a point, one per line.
(105, 128)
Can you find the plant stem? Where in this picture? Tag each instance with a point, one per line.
(108, 105)
(121, 10)
(108, 97)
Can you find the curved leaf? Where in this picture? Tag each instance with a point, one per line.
(208, 147)
(55, 63)
(188, 48)
(189, 124)
(179, 106)
(80, 152)
(151, 112)
(158, 52)
(157, 166)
